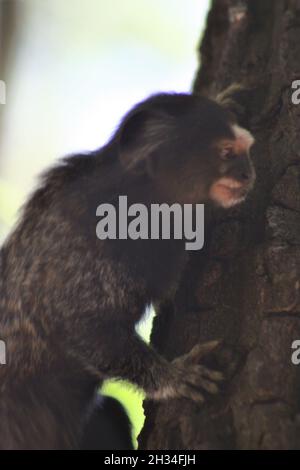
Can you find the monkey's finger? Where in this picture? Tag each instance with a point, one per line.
(191, 393)
(197, 353)
(210, 374)
(202, 349)
(204, 384)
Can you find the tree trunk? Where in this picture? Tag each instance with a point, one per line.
(247, 290)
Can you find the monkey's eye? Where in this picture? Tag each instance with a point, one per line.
(227, 153)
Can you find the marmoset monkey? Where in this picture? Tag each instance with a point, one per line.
(69, 302)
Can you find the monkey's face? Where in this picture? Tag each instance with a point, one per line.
(236, 174)
(189, 148)
(207, 166)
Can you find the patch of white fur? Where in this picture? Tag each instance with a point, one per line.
(231, 202)
(244, 136)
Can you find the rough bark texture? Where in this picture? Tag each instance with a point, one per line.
(247, 290)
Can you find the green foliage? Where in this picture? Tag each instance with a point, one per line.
(131, 399)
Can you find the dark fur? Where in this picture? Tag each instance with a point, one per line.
(108, 427)
(69, 302)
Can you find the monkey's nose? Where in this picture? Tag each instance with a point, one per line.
(245, 176)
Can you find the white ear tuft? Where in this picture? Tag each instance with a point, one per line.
(244, 138)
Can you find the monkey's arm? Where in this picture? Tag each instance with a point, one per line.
(123, 354)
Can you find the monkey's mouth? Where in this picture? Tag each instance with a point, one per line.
(234, 189)
(228, 192)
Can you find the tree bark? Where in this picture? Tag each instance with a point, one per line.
(244, 286)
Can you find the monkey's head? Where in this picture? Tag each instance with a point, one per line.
(190, 147)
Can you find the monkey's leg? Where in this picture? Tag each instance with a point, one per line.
(126, 356)
(107, 427)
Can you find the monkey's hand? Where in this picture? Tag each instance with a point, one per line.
(191, 379)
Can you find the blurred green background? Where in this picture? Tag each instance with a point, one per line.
(74, 68)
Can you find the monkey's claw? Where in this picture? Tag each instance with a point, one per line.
(198, 352)
(195, 379)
